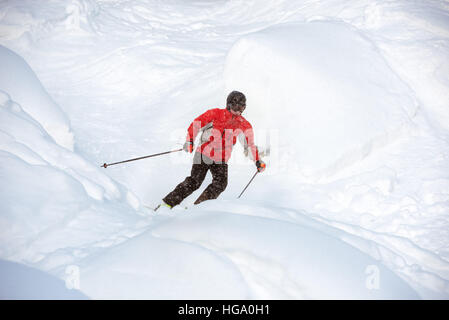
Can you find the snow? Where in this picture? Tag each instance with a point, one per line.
(342, 95)
(147, 267)
(22, 282)
(19, 82)
(226, 259)
(354, 202)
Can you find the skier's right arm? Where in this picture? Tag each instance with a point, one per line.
(199, 123)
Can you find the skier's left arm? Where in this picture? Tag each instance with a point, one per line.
(249, 139)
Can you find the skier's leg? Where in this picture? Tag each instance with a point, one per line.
(219, 182)
(188, 186)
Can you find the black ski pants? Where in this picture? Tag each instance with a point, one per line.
(201, 164)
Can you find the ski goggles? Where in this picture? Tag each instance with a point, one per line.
(238, 108)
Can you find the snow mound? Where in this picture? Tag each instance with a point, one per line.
(44, 186)
(22, 282)
(216, 255)
(20, 82)
(324, 87)
(146, 267)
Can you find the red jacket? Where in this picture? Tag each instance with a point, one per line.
(220, 131)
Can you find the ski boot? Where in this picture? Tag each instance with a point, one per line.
(163, 205)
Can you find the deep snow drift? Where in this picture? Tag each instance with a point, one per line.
(330, 89)
(21, 282)
(159, 263)
(18, 80)
(348, 106)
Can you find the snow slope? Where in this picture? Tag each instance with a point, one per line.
(336, 97)
(44, 185)
(19, 81)
(51, 206)
(21, 282)
(361, 215)
(227, 259)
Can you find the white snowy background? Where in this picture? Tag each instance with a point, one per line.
(350, 105)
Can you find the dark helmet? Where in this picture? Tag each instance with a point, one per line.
(236, 101)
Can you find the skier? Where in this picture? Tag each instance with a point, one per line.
(220, 129)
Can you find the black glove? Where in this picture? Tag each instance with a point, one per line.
(260, 165)
(188, 146)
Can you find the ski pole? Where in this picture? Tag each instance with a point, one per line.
(105, 165)
(248, 184)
